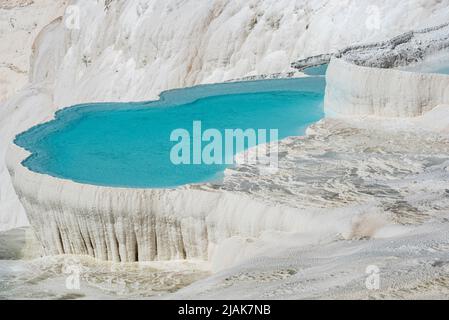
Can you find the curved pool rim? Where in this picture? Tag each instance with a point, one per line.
(169, 98)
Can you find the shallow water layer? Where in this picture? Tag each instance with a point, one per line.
(317, 70)
(444, 70)
(129, 144)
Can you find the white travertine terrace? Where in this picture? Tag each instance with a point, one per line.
(133, 50)
(357, 90)
(190, 222)
(356, 191)
(119, 224)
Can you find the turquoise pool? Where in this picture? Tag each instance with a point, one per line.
(128, 144)
(444, 70)
(316, 70)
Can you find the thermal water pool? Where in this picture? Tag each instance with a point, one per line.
(444, 69)
(319, 70)
(128, 144)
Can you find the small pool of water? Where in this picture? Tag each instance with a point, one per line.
(128, 144)
(444, 70)
(317, 70)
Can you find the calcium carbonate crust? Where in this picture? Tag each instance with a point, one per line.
(128, 225)
(120, 224)
(168, 224)
(353, 90)
(189, 222)
(133, 50)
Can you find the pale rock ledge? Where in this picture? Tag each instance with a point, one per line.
(357, 90)
(119, 224)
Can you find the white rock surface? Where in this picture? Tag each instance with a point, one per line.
(409, 48)
(130, 225)
(362, 188)
(119, 49)
(20, 23)
(357, 90)
(131, 50)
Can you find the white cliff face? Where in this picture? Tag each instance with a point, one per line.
(20, 23)
(361, 79)
(131, 50)
(355, 90)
